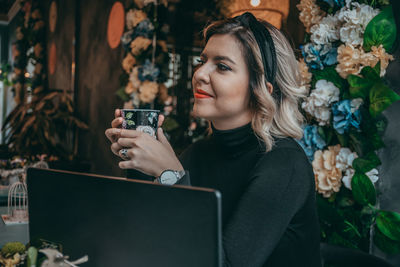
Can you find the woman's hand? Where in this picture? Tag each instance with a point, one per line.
(144, 152)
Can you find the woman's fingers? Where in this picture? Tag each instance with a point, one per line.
(161, 119)
(126, 142)
(113, 134)
(117, 122)
(117, 113)
(115, 148)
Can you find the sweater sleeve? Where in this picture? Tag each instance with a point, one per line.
(277, 189)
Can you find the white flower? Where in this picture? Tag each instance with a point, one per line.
(367, 13)
(355, 104)
(344, 159)
(351, 34)
(327, 91)
(346, 180)
(355, 18)
(326, 31)
(318, 103)
(373, 175)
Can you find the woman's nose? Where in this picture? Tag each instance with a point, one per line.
(202, 75)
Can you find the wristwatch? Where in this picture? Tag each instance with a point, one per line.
(170, 177)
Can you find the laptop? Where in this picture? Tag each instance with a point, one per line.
(120, 222)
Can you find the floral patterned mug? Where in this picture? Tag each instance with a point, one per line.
(144, 120)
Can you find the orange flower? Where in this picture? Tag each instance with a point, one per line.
(310, 13)
(129, 89)
(133, 77)
(163, 45)
(38, 50)
(139, 44)
(327, 176)
(128, 62)
(148, 91)
(305, 75)
(163, 92)
(349, 59)
(377, 54)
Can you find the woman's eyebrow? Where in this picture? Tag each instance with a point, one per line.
(217, 58)
(224, 58)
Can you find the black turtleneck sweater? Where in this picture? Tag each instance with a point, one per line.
(268, 199)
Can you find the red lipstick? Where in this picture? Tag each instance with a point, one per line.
(201, 94)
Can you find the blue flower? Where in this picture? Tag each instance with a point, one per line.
(318, 56)
(311, 141)
(126, 40)
(145, 28)
(330, 58)
(148, 72)
(337, 4)
(346, 113)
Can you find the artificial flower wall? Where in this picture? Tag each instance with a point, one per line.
(344, 62)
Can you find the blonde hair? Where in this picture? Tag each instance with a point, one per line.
(276, 114)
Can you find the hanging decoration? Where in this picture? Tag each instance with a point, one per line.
(115, 26)
(19, 49)
(53, 17)
(146, 57)
(273, 11)
(344, 64)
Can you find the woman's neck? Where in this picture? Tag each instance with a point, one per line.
(236, 122)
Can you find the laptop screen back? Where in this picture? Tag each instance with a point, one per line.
(120, 222)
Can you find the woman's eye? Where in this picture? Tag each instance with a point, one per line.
(223, 67)
(200, 61)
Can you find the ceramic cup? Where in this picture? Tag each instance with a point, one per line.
(144, 120)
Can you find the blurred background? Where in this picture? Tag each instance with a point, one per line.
(67, 65)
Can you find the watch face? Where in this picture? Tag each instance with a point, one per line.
(168, 178)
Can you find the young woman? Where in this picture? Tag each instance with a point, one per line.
(247, 88)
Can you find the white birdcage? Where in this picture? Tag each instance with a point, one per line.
(18, 197)
(17, 204)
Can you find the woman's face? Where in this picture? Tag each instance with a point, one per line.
(221, 84)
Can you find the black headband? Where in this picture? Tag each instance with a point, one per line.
(265, 43)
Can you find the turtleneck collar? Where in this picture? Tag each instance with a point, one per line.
(235, 141)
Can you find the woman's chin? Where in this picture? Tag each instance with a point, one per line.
(201, 112)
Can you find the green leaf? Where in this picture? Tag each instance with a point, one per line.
(336, 239)
(345, 202)
(121, 93)
(326, 133)
(343, 139)
(366, 163)
(381, 124)
(376, 141)
(32, 256)
(359, 87)
(388, 223)
(371, 74)
(327, 211)
(363, 189)
(381, 30)
(329, 74)
(170, 124)
(386, 244)
(381, 97)
(377, 68)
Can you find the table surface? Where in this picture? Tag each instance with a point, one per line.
(12, 233)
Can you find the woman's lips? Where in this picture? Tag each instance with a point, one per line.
(201, 94)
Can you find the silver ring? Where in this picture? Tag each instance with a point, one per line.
(124, 154)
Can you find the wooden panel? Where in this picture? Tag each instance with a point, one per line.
(98, 71)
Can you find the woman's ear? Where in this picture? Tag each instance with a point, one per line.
(270, 87)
